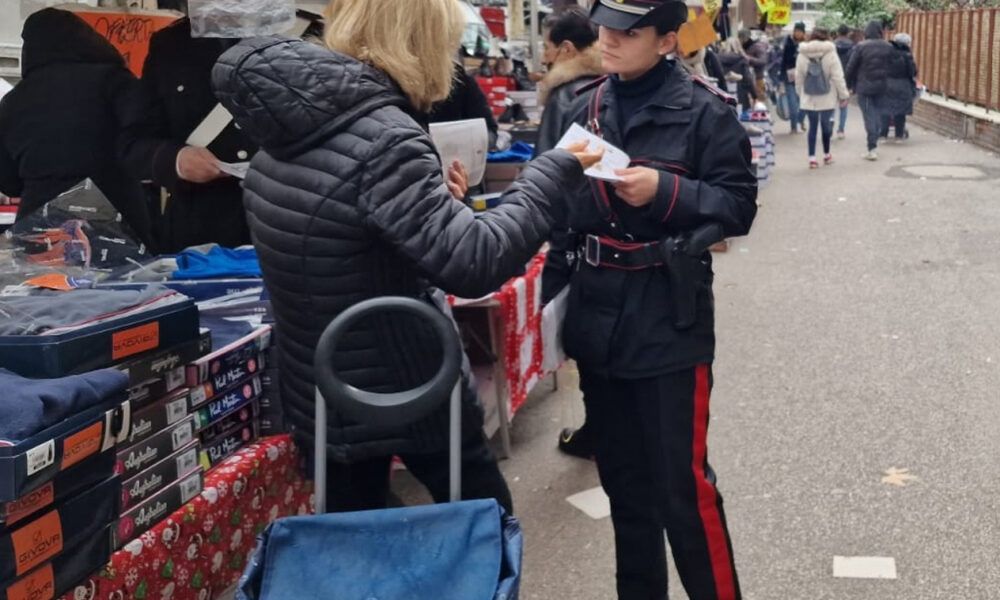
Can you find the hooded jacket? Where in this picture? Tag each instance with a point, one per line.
(346, 202)
(60, 124)
(901, 83)
(557, 91)
(826, 53)
(869, 65)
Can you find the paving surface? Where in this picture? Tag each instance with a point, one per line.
(859, 349)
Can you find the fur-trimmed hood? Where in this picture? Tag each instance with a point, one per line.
(586, 63)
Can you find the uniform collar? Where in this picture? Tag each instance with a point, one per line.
(675, 93)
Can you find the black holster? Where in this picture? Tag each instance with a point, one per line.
(686, 270)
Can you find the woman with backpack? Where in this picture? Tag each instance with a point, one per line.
(819, 78)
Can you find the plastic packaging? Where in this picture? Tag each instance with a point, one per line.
(240, 18)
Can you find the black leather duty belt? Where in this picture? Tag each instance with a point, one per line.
(606, 252)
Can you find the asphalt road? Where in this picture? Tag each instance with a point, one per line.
(859, 332)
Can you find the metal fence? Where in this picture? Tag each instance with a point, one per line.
(957, 53)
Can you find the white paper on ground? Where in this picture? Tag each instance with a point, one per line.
(864, 567)
(465, 141)
(614, 158)
(593, 502)
(237, 170)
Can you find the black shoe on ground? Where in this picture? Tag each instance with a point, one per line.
(576, 442)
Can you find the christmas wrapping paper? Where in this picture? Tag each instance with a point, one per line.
(202, 548)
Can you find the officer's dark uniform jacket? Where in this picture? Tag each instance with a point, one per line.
(621, 321)
(177, 82)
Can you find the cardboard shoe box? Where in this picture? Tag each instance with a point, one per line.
(222, 447)
(234, 356)
(136, 459)
(38, 539)
(65, 571)
(29, 464)
(146, 515)
(221, 406)
(160, 476)
(67, 483)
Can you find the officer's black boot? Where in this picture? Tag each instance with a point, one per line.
(577, 442)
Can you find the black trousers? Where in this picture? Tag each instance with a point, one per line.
(364, 485)
(899, 121)
(873, 118)
(652, 459)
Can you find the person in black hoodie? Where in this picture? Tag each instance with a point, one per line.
(346, 202)
(867, 74)
(60, 124)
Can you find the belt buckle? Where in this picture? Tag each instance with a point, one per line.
(592, 251)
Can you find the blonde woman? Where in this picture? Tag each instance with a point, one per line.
(346, 201)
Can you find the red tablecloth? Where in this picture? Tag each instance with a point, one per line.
(202, 548)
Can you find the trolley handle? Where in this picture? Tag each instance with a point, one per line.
(395, 409)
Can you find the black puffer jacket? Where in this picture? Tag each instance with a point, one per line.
(346, 202)
(868, 68)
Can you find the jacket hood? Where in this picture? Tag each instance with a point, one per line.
(585, 64)
(289, 95)
(817, 48)
(58, 36)
(873, 31)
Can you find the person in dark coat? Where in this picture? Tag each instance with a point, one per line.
(758, 55)
(60, 124)
(901, 88)
(640, 318)
(466, 101)
(203, 204)
(573, 60)
(346, 202)
(845, 45)
(789, 57)
(734, 60)
(867, 73)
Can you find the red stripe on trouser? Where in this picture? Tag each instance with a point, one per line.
(708, 508)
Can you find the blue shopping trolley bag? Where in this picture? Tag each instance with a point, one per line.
(457, 551)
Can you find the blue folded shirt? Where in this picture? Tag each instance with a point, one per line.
(29, 406)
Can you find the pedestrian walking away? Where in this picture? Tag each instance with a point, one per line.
(639, 319)
(866, 75)
(820, 82)
(901, 88)
(845, 45)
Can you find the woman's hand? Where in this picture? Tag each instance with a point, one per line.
(458, 180)
(587, 159)
(638, 185)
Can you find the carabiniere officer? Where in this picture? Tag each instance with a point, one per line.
(640, 321)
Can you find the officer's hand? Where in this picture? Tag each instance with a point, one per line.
(584, 155)
(458, 180)
(638, 185)
(198, 165)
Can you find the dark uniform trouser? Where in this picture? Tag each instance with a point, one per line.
(652, 459)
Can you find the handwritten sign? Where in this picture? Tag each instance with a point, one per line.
(128, 30)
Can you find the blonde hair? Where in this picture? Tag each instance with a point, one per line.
(413, 41)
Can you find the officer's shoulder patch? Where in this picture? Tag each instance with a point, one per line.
(715, 91)
(583, 89)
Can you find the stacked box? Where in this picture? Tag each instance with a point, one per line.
(272, 416)
(39, 550)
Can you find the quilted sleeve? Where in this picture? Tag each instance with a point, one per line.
(406, 202)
